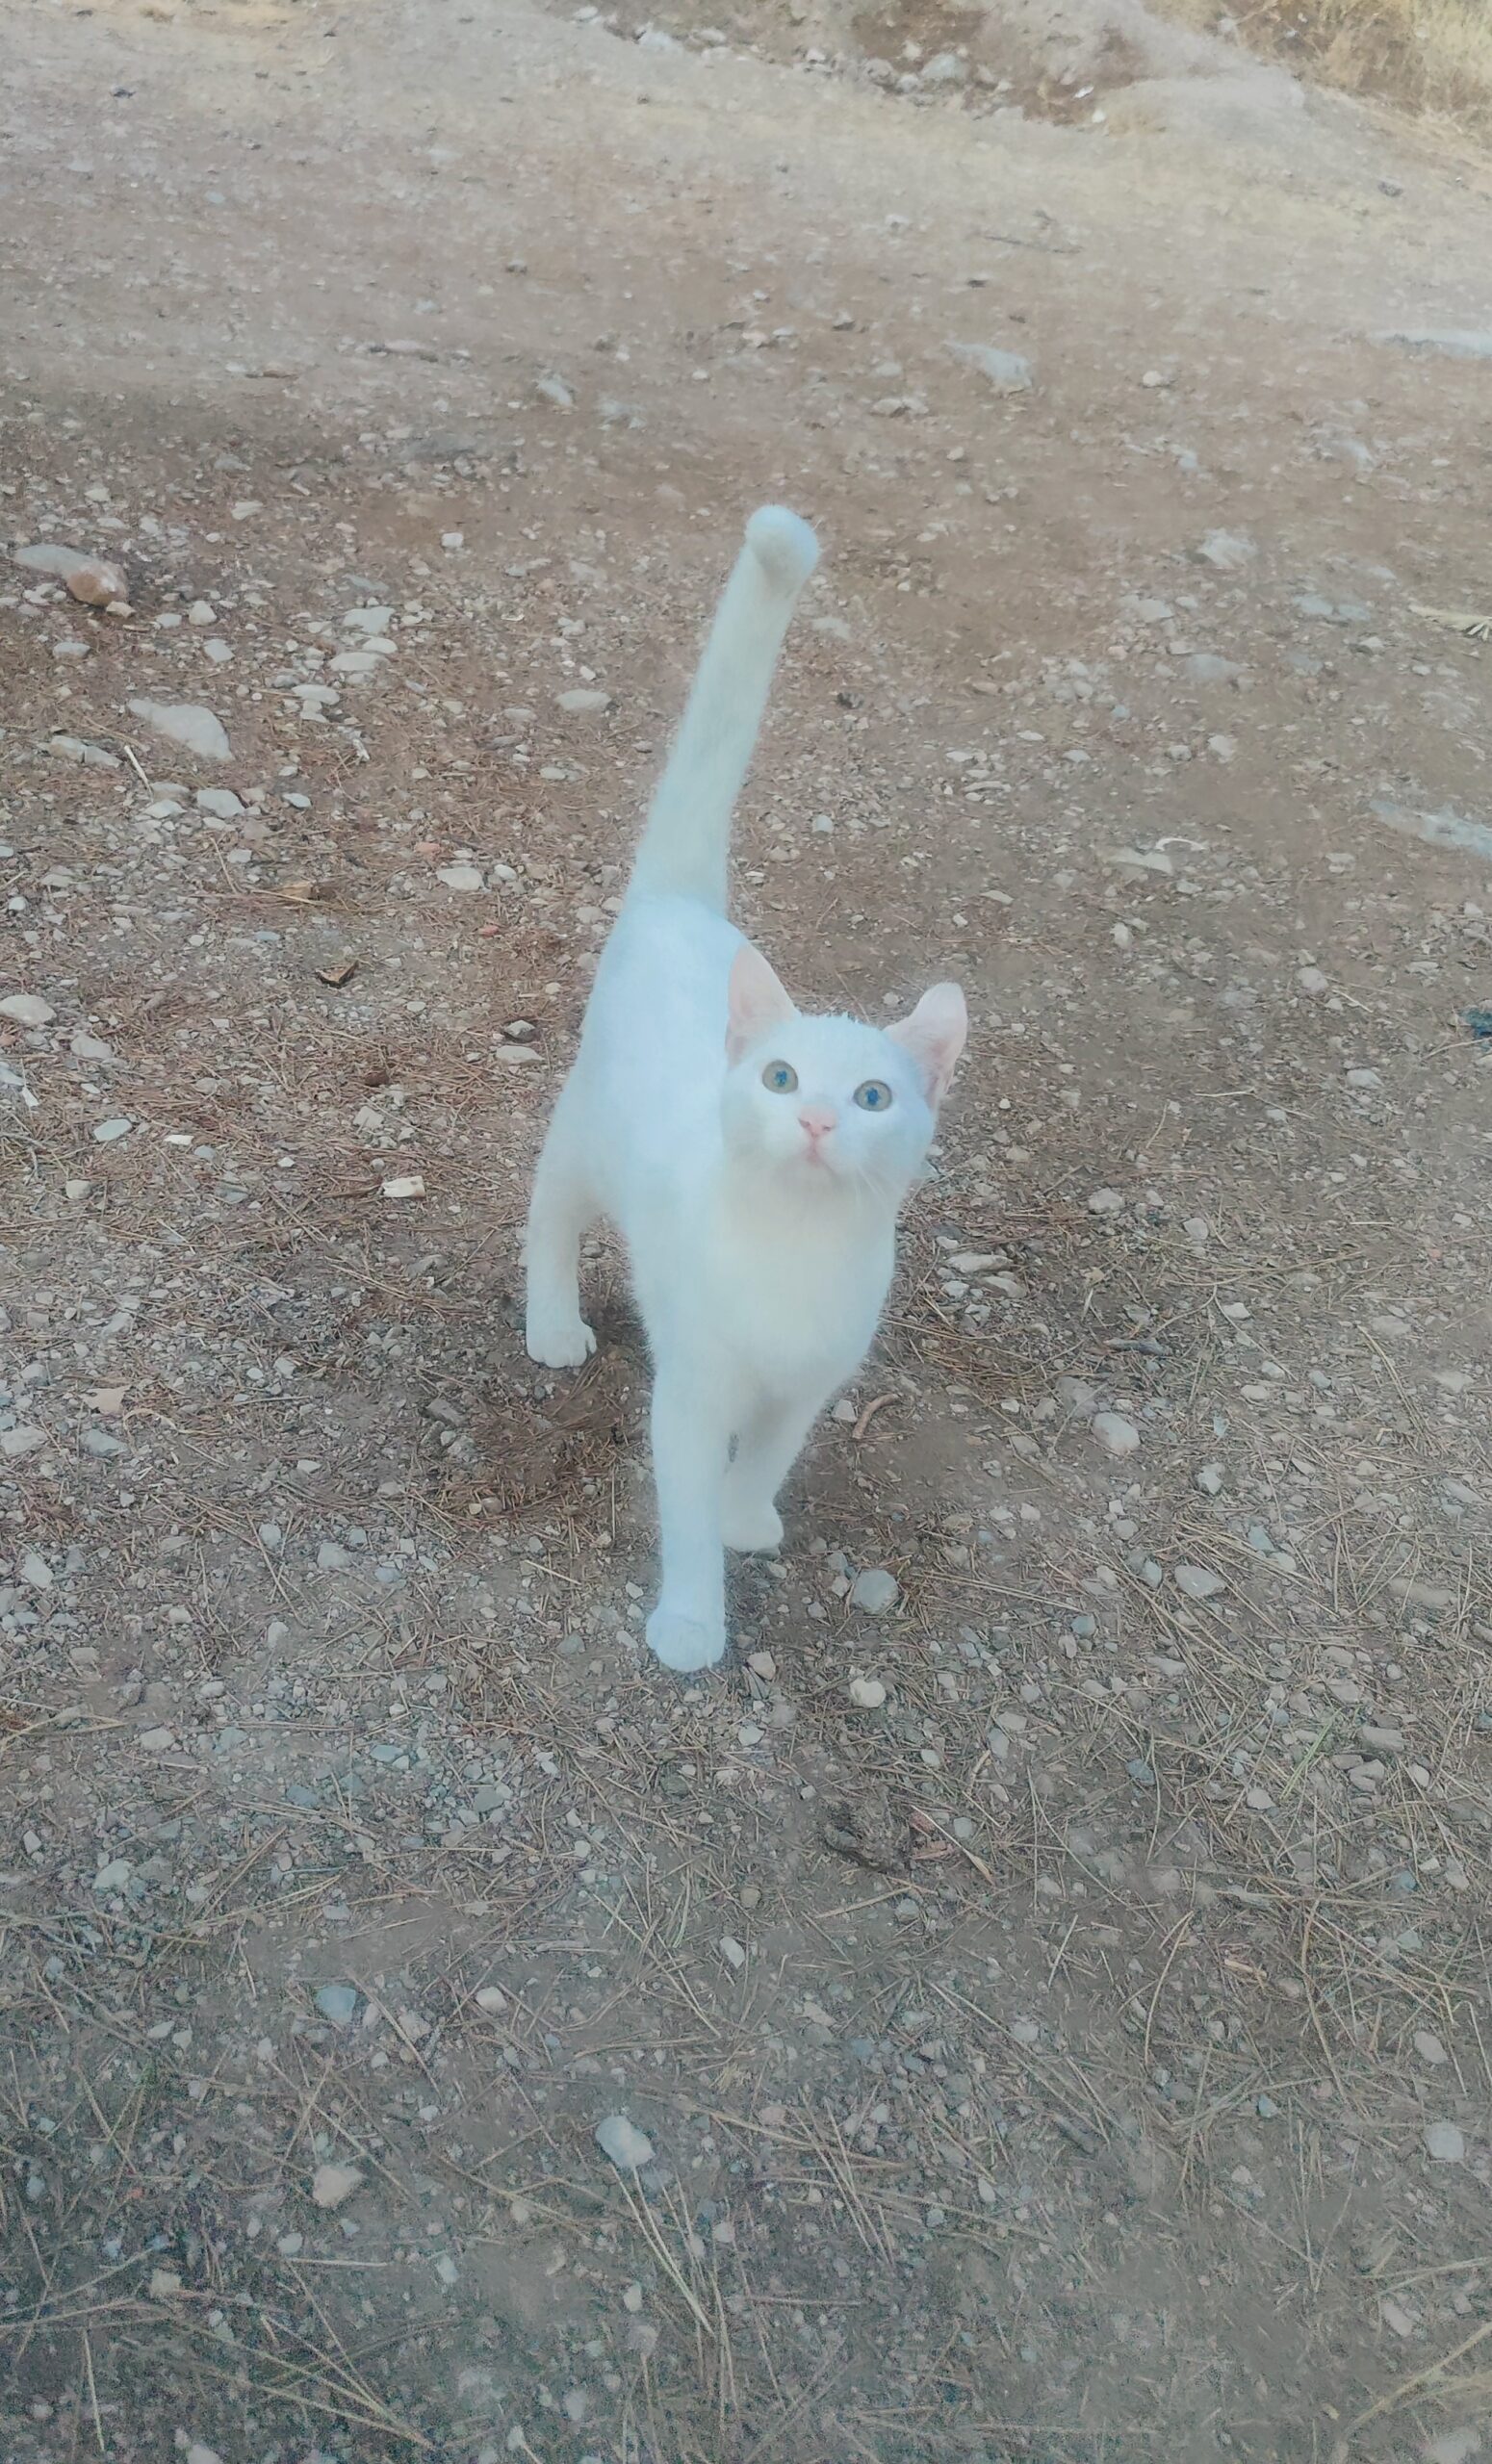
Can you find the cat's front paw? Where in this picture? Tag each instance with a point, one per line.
(559, 1342)
(682, 1643)
(750, 1528)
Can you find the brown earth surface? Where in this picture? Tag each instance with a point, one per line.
(1082, 2053)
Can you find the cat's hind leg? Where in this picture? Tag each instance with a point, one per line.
(766, 1448)
(561, 1210)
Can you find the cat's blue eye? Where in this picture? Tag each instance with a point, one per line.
(782, 1077)
(874, 1097)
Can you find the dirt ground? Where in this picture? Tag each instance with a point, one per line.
(1073, 2044)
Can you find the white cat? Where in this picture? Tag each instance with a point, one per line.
(753, 1159)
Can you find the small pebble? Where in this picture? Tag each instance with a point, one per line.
(1009, 372)
(93, 580)
(866, 1693)
(876, 1591)
(1443, 2144)
(1116, 1434)
(186, 723)
(1226, 551)
(1198, 1582)
(628, 2148)
(332, 2184)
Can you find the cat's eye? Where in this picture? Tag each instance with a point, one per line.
(874, 1097)
(782, 1077)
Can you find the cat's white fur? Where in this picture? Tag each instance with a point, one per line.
(761, 1224)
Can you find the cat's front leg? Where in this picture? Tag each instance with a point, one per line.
(690, 1440)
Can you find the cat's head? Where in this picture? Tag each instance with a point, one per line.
(830, 1103)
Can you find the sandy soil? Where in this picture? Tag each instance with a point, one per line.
(1082, 2053)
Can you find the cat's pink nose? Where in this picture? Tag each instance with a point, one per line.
(817, 1119)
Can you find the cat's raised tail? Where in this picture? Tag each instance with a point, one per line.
(686, 841)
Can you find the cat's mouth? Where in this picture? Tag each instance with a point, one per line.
(816, 1163)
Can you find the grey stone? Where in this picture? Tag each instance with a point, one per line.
(1198, 1582)
(1228, 551)
(1443, 2144)
(89, 756)
(332, 2184)
(186, 723)
(1007, 370)
(1446, 828)
(628, 2148)
(876, 1591)
(92, 579)
(1453, 343)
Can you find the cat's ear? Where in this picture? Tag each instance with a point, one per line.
(757, 1002)
(935, 1036)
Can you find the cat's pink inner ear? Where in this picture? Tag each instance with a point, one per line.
(935, 1036)
(757, 1002)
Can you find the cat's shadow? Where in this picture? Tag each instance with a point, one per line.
(545, 1439)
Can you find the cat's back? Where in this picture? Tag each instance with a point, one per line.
(652, 1059)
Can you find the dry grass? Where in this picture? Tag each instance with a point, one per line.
(1424, 56)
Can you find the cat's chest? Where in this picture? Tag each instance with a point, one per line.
(789, 1308)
